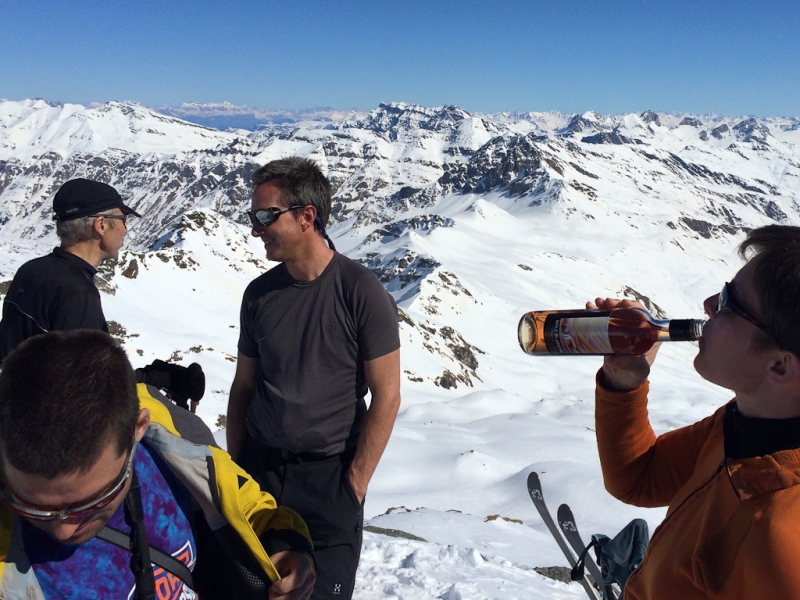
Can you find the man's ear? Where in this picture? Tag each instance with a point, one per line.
(99, 226)
(307, 215)
(142, 423)
(783, 368)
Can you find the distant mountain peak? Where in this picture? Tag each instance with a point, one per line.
(649, 116)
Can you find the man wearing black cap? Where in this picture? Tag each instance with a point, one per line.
(57, 291)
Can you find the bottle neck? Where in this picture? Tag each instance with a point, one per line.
(684, 330)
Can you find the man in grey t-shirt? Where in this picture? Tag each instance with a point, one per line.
(317, 332)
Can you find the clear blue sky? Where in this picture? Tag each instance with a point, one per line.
(732, 58)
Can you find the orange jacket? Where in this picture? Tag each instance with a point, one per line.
(732, 530)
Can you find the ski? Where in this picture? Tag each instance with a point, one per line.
(569, 527)
(535, 491)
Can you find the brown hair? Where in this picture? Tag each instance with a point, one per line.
(776, 278)
(63, 397)
(300, 181)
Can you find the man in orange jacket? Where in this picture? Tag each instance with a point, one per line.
(732, 480)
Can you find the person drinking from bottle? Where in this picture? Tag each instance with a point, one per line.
(732, 480)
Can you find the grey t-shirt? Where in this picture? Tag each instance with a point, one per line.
(311, 340)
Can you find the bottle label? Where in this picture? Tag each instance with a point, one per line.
(581, 335)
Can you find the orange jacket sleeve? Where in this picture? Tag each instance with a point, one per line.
(638, 467)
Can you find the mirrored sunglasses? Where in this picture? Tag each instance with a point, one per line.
(264, 217)
(77, 512)
(726, 303)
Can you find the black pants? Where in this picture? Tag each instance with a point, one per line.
(320, 493)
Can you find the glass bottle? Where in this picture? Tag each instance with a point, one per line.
(629, 331)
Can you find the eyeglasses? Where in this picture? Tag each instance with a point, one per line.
(726, 303)
(78, 512)
(123, 218)
(264, 217)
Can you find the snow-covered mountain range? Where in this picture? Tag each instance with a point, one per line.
(395, 163)
(469, 220)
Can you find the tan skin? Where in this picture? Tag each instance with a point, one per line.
(108, 236)
(303, 250)
(766, 382)
(383, 380)
(292, 241)
(74, 489)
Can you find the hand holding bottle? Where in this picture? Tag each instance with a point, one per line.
(624, 373)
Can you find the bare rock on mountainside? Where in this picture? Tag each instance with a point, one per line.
(393, 164)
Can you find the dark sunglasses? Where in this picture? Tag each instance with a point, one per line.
(264, 217)
(726, 303)
(78, 512)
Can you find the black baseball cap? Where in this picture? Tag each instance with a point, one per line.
(82, 197)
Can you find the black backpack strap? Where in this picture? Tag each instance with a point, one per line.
(141, 565)
(159, 558)
(580, 564)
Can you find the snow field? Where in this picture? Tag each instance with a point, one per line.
(409, 570)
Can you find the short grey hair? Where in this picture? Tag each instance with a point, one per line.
(77, 231)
